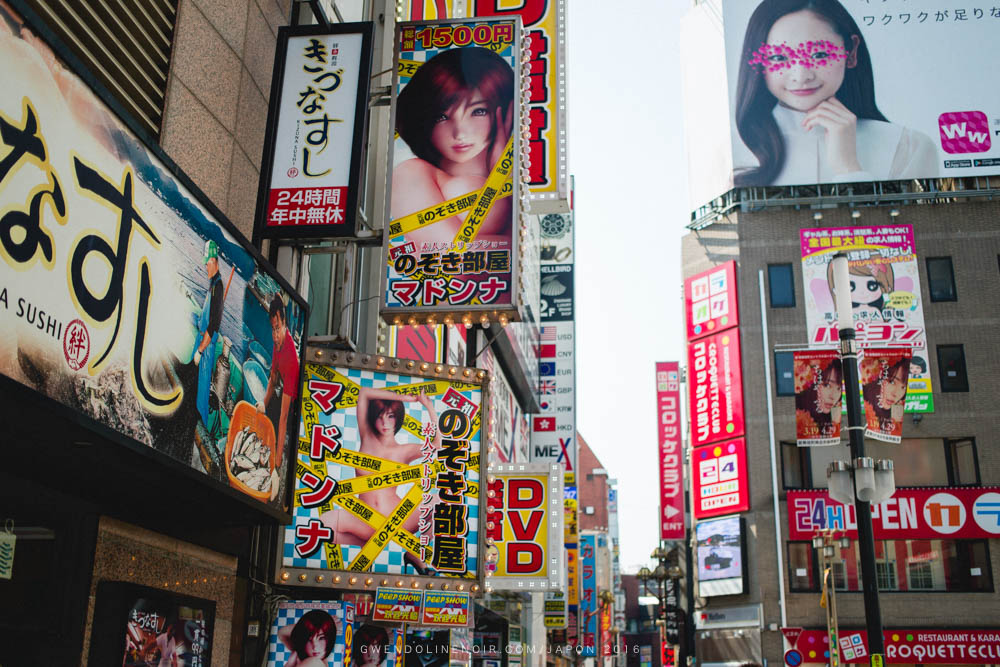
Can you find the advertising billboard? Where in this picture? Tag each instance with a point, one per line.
(555, 609)
(126, 296)
(911, 514)
(544, 24)
(846, 93)
(138, 626)
(297, 622)
(553, 430)
(719, 483)
(819, 388)
(451, 243)
(721, 557)
(883, 374)
(955, 646)
(524, 527)
(711, 302)
(671, 461)
(315, 137)
(387, 474)
(588, 594)
(715, 388)
(888, 310)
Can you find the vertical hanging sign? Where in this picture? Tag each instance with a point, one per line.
(668, 426)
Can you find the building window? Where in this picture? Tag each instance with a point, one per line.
(124, 45)
(781, 285)
(918, 462)
(941, 279)
(784, 377)
(901, 566)
(951, 368)
(795, 466)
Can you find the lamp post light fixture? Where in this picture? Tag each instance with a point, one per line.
(826, 544)
(669, 611)
(863, 480)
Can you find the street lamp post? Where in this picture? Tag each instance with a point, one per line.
(826, 545)
(869, 483)
(669, 609)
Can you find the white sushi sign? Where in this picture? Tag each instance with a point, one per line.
(124, 293)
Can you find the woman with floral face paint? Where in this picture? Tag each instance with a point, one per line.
(806, 103)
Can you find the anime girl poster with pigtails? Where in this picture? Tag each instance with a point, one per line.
(885, 292)
(452, 200)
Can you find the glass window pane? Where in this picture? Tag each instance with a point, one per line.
(793, 468)
(784, 378)
(980, 573)
(951, 368)
(963, 462)
(941, 279)
(917, 461)
(801, 572)
(781, 285)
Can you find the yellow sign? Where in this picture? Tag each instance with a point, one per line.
(525, 501)
(877, 660)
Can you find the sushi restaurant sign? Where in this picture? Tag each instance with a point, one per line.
(124, 294)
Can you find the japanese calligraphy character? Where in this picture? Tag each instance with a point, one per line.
(322, 490)
(451, 262)
(940, 15)
(405, 265)
(498, 261)
(450, 519)
(315, 50)
(886, 19)
(491, 288)
(906, 19)
(461, 291)
(474, 262)
(324, 439)
(960, 15)
(428, 263)
(312, 99)
(451, 486)
(922, 16)
(333, 85)
(454, 453)
(404, 291)
(449, 554)
(869, 20)
(313, 534)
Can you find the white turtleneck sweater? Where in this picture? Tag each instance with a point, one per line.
(886, 152)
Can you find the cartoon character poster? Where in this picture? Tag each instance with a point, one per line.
(388, 470)
(451, 243)
(125, 295)
(885, 291)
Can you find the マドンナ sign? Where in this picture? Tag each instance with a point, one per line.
(387, 469)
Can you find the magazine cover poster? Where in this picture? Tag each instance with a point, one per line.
(819, 389)
(311, 632)
(884, 374)
(453, 191)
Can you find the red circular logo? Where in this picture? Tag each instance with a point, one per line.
(76, 345)
(293, 172)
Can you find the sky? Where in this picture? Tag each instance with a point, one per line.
(626, 150)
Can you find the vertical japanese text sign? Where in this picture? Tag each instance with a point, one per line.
(715, 388)
(453, 199)
(388, 470)
(711, 302)
(545, 28)
(315, 138)
(588, 593)
(671, 465)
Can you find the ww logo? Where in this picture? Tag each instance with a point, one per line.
(964, 132)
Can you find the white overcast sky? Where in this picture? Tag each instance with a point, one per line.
(626, 149)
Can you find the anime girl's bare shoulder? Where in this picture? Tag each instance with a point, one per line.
(416, 184)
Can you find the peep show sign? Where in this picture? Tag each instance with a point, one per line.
(125, 295)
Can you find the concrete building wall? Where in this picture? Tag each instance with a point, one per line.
(969, 233)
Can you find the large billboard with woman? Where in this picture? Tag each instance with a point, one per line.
(839, 91)
(453, 200)
(388, 470)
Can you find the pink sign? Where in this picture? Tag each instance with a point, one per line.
(911, 514)
(668, 425)
(715, 388)
(926, 647)
(719, 479)
(710, 301)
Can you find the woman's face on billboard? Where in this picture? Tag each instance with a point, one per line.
(463, 131)
(804, 60)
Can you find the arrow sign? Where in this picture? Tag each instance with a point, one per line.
(792, 635)
(671, 511)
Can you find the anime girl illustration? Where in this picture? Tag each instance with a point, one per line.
(456, 116)
(805, 102)
(311, 640)
(380, 417)
(818, 399)
(870, 285)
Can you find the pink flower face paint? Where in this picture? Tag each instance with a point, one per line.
(811, 55)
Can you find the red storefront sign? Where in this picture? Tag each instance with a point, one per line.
(977, 646)
(911, 514)
(710, 301)
(668, 425)
(715, 388)
(606, 631)
(719, 479)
